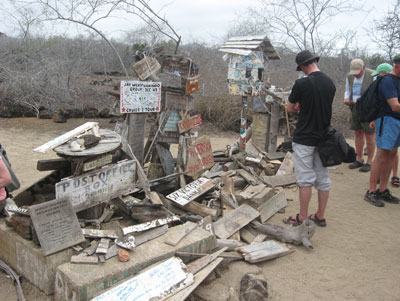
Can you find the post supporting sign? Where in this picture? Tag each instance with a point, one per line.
(140, 97)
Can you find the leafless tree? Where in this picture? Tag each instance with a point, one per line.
(298, 22)
(89, 13)
(386, 31)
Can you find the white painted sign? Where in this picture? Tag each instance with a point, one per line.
(191, 191)
(140, 97)
(97, 186)
(150, 225)
(157, 283)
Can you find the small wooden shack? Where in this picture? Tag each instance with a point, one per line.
(248, 58)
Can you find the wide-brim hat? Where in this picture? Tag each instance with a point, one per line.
(304, 57)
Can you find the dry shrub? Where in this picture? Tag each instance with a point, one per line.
(222, 111)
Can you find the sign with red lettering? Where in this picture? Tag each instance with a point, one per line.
(190, 123)
(200, 157)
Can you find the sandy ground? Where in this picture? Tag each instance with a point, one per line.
(356, 257)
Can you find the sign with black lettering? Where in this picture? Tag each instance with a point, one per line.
(191, 191)
(94, 187)
(140, 97)
(56, 225)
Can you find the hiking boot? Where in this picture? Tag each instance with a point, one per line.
(355, 164)
(388, 197)
(374, 198)
(365, 168)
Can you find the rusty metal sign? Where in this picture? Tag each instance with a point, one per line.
(192, 84)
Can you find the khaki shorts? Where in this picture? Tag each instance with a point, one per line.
(356, 125)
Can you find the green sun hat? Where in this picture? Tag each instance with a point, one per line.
(385, 67)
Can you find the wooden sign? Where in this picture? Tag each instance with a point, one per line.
(190, 123)
(234, 221)
(191, 191)
(97, 186)
(192, 84)
(146, 67)
(97, 163)
(94, 126)
(173, 119)
(157, 283)
(56, 225)
(267, 250)
(140, 97)
(175, 101)
(200, 156)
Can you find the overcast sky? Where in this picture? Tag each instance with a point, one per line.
(209, 20)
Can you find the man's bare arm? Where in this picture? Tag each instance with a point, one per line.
(394, 104)
(293, 107)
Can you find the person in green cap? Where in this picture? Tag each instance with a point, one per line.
(381, 70)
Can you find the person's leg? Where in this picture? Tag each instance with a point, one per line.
(322, 202)
(395, 166)
(386, 161)
(323, 185)
(370, 140)
(303, 157)
(359, 142)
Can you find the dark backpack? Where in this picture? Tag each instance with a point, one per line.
(369, 105)
(333, 149)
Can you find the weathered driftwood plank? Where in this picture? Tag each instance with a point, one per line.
(200, 263)
(230, 244)
(248, 177)
(142, 237)
(272, 206)
(150, 225)
(103, 246)
(287, 166)
(94, 126)
(166, 159)
(267, 250)
(234, 221)
(83, 259)
(202, 210)
(94, 233)
(207, 224)
(184, 231)
(276, 155)
(52, 164)
(111, 252)
(166, 279)
(275, 181)
(92, 248)
(191, 191)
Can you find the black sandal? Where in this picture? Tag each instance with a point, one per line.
(395, 182)
(317, 221)
(294, 221)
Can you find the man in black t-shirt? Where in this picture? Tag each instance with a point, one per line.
(312, 97)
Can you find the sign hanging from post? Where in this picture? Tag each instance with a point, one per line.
(140, 97)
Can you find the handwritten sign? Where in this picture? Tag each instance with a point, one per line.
(191, 191)
(56, 225)
(192, 84)
(190, 123)
(157, 283)
(140, 97)
(200, 156)
(97, 186)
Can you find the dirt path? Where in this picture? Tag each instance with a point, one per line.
(356, 257)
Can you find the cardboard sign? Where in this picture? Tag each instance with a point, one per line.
(200, 156)
(97, 186)
(140, 97)
(56, 225)
(190, 123)
(191, 191)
